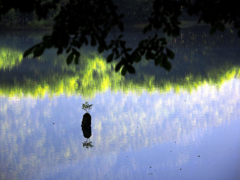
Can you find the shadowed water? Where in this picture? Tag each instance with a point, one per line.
(182, 124)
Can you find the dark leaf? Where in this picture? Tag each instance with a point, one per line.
(46, 38)
(38, 51)
(161, 59)
(124, 71)
(150, 55)
(170, 53)
(176, 32)
(164, 29)
(76, 59)
(60, 50)
(120, 25)
(142, 52)
(70, 58)
(75, 52)
(118, 66)
(121, 16)
(128, 49)
(76, 44)
(29, 51)
(167, 65)
(146, 29)
(142, 43)
(158, 61)
(93, 41)
(136, 57)
(48, 44)
(110, 58)
(110, 46)
(68, 50)
(161, 49)
(200, 19)
(220, 26)
(130, 69)
(122, 44)
(164, 41)
(117, 56)
(213, 30)
(85, 40)
(115, 50)
(100, 49)
(120, 36)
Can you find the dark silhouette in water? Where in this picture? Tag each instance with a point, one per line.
(87, 130)
(86, 122)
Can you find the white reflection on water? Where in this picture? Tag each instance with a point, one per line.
(160, 136)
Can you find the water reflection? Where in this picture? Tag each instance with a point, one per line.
(86, 122)
(9, 58)
(87, 133)
(50, 75)
(125, 123)
(87, 129)
(153, 119)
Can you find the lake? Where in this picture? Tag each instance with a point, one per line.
(182, 124)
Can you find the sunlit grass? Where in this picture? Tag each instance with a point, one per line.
(96, 76)
(9, 58)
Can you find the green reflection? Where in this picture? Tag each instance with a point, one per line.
(94, 75)
(9, 58)
(200, 59)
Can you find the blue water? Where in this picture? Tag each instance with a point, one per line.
(136, 132)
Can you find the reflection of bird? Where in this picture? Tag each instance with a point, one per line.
(86, 125)
(86, 120)
(87, 131)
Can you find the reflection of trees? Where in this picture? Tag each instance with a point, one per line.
(132, 122)
(202, 59)
(40, 77)
(87, 144)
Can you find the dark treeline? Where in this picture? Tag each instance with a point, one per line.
(136, 11)
(15, 19)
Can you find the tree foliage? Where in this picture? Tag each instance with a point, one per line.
(89, 22)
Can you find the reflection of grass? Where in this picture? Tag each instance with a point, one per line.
(78, 85)
(190, 82)
(95, 75)
(215, 77)
(9, 58)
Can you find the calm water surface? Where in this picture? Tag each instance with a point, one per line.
(182, 124)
